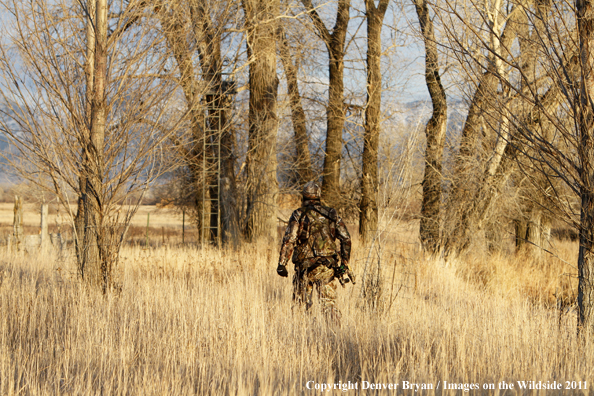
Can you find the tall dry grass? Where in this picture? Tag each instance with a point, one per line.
(188, 321)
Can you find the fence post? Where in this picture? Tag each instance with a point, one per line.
(148, 216)
(44, 227)
(17, 225)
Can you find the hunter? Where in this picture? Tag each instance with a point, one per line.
(310, 240)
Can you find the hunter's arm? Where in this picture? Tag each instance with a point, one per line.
(289, 239)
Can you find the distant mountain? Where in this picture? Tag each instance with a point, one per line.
(415, 114)
(4, 109)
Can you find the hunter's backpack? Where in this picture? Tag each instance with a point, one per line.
(317, 231)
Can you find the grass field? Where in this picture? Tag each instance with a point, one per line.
(165, 224)
(221, 322)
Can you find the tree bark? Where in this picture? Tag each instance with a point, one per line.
(94, 256)
(368, 218)
(460, 209)
(81, 236)
(303, 160)
(532, 225)
(435, 132)
(585, 22)
(262, 185)
(335, 116)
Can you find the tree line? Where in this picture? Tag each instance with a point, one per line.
(103, 97)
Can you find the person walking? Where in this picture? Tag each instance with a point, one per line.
(310, 239)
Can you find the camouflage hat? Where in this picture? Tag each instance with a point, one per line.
(312, 190)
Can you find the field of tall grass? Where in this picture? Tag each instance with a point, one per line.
(221, 322)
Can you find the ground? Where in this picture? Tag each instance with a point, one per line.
(205, 321)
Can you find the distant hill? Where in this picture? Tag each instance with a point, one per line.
(3, 144)
(416, 114)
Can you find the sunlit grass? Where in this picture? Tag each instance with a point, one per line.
(188, 321)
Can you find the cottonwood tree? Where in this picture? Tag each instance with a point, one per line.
(290, 62)
(513, 88)
(532, 224)
(482, 46)
(335, 110)
(554, 144)
(83, 88)
(583, 106)
(435, 132)
(262, 186)
(548, 136)
(368, 218)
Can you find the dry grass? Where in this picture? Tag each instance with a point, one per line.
(159, 217)
(165, 224)
(548, 279)
(220, 322)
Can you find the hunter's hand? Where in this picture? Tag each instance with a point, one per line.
(340, 271)
(350, 274)
(282, 271)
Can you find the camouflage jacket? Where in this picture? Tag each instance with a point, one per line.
(312, 232)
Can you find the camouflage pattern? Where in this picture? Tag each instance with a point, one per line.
(310, 240)
(323, 278)
(314, 236)
(312, 190)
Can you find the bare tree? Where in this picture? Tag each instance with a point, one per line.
(368, 218)
(335, 115)
(514, 92)
(435, 133)
(81, 101)
(262, 186)
(303, 161)
(585, 131)
(548, 136)
(532, 224)
(478, 158)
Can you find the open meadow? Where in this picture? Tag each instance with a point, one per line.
(186, 320)
(454, 139)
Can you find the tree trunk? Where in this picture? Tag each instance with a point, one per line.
(80, 230)
(94, 263)
(460, 208)
(262, 185)
(586, 135)
(435, 132)
(521, 231)
(303, 160)
(334, 127)
(368, 218)
(533, 232)
(586, 262)
(335, 116)
(95, 193)
(532, 225)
